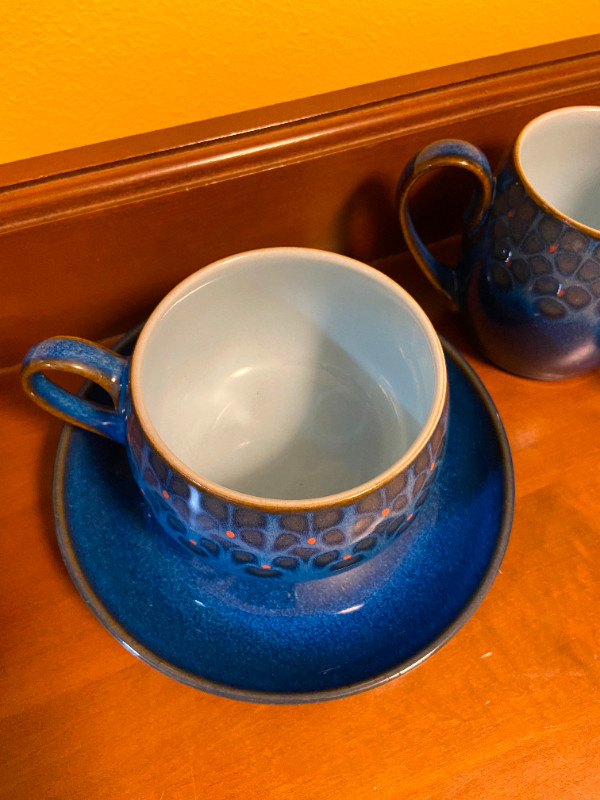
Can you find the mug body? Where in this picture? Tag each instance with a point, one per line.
(286, 413)
(530, 274)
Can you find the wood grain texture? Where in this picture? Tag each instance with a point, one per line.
(508, 710)
(74, 243)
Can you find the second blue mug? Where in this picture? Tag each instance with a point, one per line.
(528, 279)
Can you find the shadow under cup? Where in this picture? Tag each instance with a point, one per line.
(286, 375)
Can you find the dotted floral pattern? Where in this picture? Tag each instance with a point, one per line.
(300, 545)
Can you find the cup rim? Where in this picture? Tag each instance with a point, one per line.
(541, 119)
(275, 504)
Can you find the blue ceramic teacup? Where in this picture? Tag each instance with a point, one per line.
(528, 279)
(284, 410)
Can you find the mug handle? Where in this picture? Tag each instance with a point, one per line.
(88, 360)
(444, 153)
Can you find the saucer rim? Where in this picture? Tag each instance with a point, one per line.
(189, 678)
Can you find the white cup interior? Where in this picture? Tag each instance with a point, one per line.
(288, 374)
(559, 155)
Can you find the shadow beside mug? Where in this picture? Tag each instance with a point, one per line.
(528, 278)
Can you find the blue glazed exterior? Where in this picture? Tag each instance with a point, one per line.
(71, 354)
(528, 280)
(261, 538)
(294, 544)
(529, 284)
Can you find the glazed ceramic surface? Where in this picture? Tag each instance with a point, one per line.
(529, 277)
(284, 411)
(279, 641)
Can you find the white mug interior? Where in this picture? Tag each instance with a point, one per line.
(558, 154)
(289, 374)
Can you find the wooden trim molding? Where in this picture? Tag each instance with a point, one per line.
(154, 142)
(89, 248)
(278, 145)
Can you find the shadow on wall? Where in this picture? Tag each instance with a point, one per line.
(368, 226)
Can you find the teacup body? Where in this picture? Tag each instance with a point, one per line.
(528, 281)
(284, 411)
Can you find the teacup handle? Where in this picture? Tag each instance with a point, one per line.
(444, 153)
(88, 360)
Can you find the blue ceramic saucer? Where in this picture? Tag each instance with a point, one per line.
(288, 643)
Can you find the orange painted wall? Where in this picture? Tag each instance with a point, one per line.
(75, 72)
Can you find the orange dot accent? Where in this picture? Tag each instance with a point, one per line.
(312, 540)
(553, 248)
(265, 566)
(165, 494)
(385, 512)
(193, 541)
(410, 516)
(346, 558)
(230, 534)
(511, 213)
(432, 466)
(560, 292)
